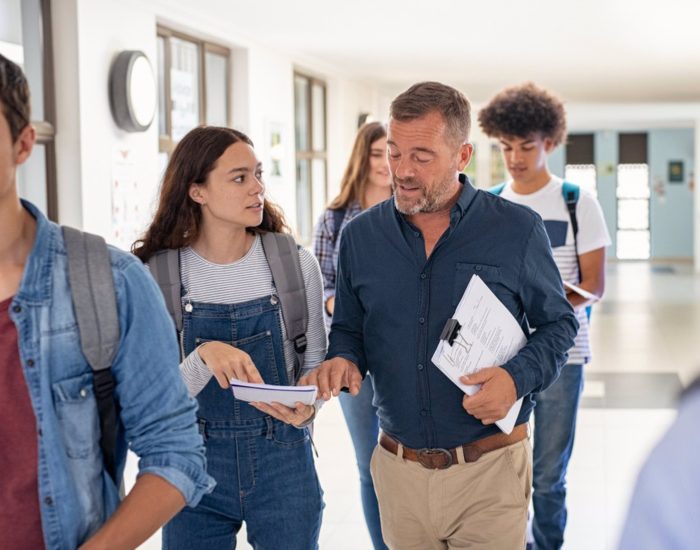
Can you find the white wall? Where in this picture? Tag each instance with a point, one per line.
(89, 35)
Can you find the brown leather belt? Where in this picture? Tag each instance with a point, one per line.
(439, 459)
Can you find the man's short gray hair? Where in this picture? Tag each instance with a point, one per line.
(427, 97)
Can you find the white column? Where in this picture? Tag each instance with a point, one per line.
(696, 199)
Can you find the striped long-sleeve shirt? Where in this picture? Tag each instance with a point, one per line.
(247, 279)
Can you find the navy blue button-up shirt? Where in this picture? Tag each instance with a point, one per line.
(392, 303)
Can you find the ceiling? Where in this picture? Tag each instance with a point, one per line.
(614, 50)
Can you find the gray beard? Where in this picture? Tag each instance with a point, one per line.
(427, 204)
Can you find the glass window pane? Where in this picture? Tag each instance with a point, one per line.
(498, 168)
(633, 214)
(216, 89)
(21, 40)
(184, 86)
(162, 130)
(301, 113)
(31, 178)
(303, 200)
(633, 245)
(633, 181)
(318, 117)
(583, 175)
(318, 179)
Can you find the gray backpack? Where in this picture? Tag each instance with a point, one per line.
(95, 305)
(282, 256)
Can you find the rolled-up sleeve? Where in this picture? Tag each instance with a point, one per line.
(548, 311)
(157, 413)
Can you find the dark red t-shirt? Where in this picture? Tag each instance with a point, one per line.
(20, 517)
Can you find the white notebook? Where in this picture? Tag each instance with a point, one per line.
(268, 393)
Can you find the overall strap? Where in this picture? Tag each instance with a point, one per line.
(497, 189)
(165, 268)
(95, 305)
(282, 256)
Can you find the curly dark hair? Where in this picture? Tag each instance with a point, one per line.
(178, 219)
(523, 110)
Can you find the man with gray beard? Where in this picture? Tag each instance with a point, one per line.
(445, 475)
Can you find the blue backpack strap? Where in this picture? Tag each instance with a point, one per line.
(497, 189)
(571, 193)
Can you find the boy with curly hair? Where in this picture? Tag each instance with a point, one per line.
(530, 123)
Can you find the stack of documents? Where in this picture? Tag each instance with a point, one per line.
(487, 335)
(267, 393)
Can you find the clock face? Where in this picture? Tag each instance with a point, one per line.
(141, 89)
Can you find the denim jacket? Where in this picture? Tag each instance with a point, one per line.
(156, 416)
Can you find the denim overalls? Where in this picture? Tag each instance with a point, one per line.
(264, 468)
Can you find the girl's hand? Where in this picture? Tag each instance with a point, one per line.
(226, 362)
(297, 416)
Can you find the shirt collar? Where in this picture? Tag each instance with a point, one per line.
(35, 286)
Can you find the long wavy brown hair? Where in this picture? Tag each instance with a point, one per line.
(178, 219)
(354, 182)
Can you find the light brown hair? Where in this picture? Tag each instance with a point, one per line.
(356, 176)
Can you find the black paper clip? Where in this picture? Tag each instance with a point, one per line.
(451, 330)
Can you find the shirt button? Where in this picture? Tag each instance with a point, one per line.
(423, 275)
(83, 393)
(420, 367)
(30, 362)
(421, 320)
(17, 309)
(48, 501)
(424, 413)
(478, 268)
(417, 234)
(39, 432)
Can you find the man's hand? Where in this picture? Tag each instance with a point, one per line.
(294, 416)
(332, 376)
(226, 362)
(495, 397)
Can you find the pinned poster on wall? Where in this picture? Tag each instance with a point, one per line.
(675, 171)
(130, 214)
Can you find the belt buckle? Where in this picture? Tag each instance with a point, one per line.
(426, 458)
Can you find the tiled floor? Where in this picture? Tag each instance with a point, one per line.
(644, 337)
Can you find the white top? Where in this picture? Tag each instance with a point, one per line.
(243, 280)
(549, 203)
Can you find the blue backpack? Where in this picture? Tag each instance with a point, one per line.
(570, 192)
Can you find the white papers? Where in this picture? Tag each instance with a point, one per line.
(581, 291)
(267, 393)
(489, 336)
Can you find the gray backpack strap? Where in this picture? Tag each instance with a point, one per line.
(165, 268)
(95, 305)
(282, 256)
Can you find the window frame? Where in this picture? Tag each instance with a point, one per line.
(309, 154)
(166, 144)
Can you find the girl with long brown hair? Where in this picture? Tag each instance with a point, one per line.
(366, 182)
(213, 210)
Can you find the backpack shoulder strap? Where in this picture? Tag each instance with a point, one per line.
(282, 256)
(165, 268)
(338, 217)
(571, 193)
(95, 305)
(497, 189)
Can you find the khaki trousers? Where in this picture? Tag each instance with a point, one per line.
(480, 505)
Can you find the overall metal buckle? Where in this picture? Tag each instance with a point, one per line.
(426, 458)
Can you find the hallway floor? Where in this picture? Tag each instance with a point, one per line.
(644, 337)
